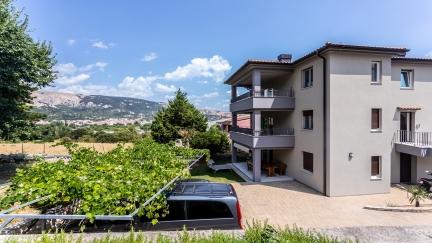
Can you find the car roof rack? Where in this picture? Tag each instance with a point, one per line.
(202, 189)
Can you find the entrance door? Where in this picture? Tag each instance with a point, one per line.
(406, 126)
(405, 167)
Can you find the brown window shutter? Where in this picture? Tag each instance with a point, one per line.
(375, 118)
(375, 165)
(308, 161)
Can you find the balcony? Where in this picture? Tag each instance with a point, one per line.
(414, 143)
(266, 99)
(265, 138)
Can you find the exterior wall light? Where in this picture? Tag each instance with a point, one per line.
(350, 155)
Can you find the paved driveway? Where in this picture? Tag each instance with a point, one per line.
(289, 203)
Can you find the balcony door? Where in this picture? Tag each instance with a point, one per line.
(406, 126)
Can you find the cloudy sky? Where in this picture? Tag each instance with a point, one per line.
(148, 49)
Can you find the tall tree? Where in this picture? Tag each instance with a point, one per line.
(25, 66)
(178, 120)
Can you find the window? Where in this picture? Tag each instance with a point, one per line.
(407, 79)
(376, 72)
(376, 120)
(376, 167)
(207, 210)
(308, 161)
(307, 78)
(176, 211)
(308, 120)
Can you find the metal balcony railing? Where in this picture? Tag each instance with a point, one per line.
(415, 138)
(265, 132)
(266, 93)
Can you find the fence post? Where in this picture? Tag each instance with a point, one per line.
(44, 149)
(22, 148)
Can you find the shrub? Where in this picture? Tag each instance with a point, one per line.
(95, 183)
(416, 194)
(214, 140)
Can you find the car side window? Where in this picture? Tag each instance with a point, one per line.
(176, 211)
(207, 210)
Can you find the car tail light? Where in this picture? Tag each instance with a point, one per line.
(239, 215)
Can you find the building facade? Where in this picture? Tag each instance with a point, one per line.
(343, 119)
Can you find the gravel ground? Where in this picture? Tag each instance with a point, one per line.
(382, 234)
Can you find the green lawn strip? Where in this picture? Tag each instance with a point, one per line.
(202, 171)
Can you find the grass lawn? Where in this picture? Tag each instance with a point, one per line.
(202, 171)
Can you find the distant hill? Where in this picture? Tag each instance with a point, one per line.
(66, 106)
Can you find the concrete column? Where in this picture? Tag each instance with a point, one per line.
(256, 159)
(233, 153)
(256, 82)
(234, 119)
(233, 91)
(256, 121)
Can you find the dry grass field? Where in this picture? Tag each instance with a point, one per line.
(50, 148)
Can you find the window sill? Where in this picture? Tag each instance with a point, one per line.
(409, 88)
(306, 88)
(376, 131)
(307, 130)
(376, 83)
(375, 178)
(306, 172)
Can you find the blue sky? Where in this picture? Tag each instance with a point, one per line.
(147, 49)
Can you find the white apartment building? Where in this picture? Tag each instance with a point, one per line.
(343, 119)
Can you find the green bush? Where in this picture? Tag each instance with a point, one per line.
(215, 140)
(95, 183)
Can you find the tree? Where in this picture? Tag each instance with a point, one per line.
(180, 117)
(416, 194)
(214, 140)
(25, 66)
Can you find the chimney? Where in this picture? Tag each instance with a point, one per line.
(285, 58)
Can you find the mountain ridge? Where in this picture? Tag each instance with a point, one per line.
(76, 108)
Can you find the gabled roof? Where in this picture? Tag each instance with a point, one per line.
(394, 51)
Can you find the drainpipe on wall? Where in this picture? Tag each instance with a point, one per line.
(324, 120)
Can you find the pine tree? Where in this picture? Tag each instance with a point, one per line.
(180, 119)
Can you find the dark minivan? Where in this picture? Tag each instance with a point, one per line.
(200, 205)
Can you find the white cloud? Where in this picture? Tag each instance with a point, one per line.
(100, 65)
(203, 82)
(210, 95)
(90, 89)
(137, 87)
(429, 54)
(102, 45)
(70, 80)
(215, 68)
(165, 88)
(65, 68)
(70, 74)
(149, 57)
(71, 42)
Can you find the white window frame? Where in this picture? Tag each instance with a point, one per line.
(410, 78)
(378, 74)
(310, 81)
(379, 176)
(379, 129)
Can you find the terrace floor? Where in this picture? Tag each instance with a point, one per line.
(291, 203)
(241, 169)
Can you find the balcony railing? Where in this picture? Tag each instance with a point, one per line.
(265, 132)
(266, 93)
(423, 139)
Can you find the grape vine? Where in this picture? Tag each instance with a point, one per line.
(113, 183)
